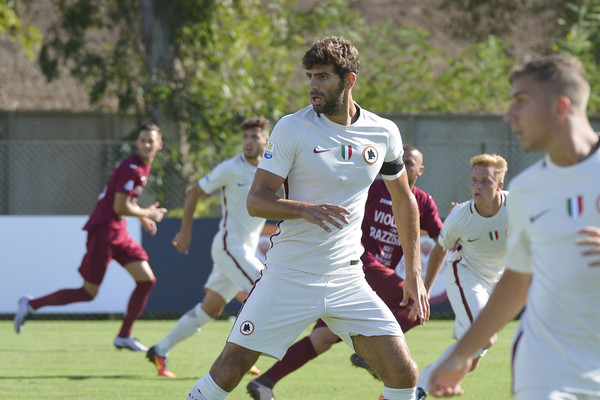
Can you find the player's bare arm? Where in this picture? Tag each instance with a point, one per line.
(506, 301)
(591, 244)
(124, 206)
(434, 265)
(405, 205)
(183, 238)
(264, 202)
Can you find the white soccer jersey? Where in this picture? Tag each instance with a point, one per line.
(557, 344)
(325, 162)
(234, 177)
(480, 241)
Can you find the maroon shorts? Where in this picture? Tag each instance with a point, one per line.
(100, 252)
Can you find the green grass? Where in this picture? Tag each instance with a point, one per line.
(76, 360)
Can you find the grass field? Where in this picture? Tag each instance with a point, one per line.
(76, 360)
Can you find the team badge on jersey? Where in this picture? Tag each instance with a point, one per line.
(269, 150)
(575, 206)
(370, 155)
(246, 328)
(346, 152)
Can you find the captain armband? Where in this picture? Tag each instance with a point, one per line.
(392, 167)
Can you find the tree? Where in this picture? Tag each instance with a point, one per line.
(580, 36)
(204, 64)
(16, 29)
(207, 64)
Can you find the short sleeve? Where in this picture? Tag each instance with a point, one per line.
(430, 218)
(215, 179)
(126, 178)
(449, 233)
(518, 253)
(393, 166)
(282, 148)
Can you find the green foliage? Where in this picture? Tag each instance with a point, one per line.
(580, 36)
(16, 29)
(476, 82)
(414, 77)
(208, 64)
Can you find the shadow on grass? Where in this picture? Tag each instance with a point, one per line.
(73, 377)
(85, 377)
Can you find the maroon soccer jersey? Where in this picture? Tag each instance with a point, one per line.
(129, 177)
(380, 236)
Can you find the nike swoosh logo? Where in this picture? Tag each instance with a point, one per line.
(318, 149)
(472, 240)
(534, 218)
(241, 184)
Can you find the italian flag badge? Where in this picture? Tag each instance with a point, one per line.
(346, 152)
(575, 206)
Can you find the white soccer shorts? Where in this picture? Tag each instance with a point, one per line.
(283, 303)
(233, 270)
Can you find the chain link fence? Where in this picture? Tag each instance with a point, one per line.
(66, 177)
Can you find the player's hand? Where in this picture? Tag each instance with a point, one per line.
(326, 214)
(157, 213)
(414, 290)
(591, 242)
(182, 241)
(149, 225)
(445, 379)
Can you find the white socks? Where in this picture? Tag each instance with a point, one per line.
(206, 389)
(423, 381)
(399, 394)
(186, 326)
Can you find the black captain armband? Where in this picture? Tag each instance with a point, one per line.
(392, 167)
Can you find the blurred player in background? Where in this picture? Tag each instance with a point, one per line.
(326, 156)
(235, 265)
(553, 255)
(477, 231)
(109, 239)
(382, 253)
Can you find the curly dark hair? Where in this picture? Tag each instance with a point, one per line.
(335, 51)
(256, 122)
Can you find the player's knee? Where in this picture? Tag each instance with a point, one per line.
(322, 339)
(90, 291)
(204, 309)
(412, 372)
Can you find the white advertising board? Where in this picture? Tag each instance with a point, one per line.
(42, 254)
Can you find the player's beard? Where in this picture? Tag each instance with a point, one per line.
(253, 154)
(333, 101)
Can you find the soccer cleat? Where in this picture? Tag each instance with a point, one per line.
(380, 397)
(360, 362)
(254, 371)
(258, 391)
(421, 394)
(129, 343)
(159, 362)
(23, 312)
